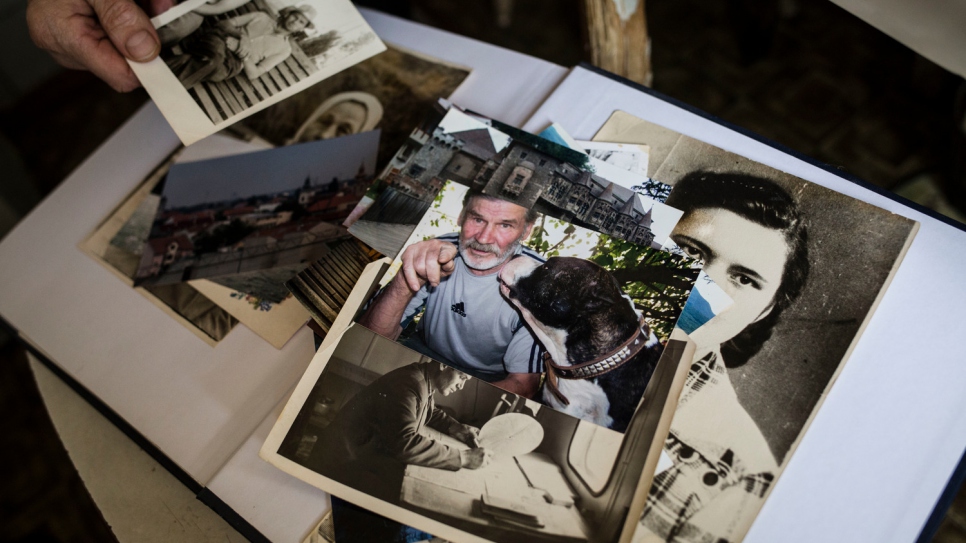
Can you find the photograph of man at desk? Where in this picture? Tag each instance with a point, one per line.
(421, 443)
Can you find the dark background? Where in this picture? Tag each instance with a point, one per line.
(807, 75)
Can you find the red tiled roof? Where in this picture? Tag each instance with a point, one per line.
(160, 245)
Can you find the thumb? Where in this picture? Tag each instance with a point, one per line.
(129, 28)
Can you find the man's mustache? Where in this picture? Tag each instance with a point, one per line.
(484, 247)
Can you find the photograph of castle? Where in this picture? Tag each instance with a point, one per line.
(529, 171)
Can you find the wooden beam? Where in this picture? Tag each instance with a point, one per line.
(616, 37)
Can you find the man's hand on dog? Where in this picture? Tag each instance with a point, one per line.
(466, 433)
(427, 262)
(475, 458)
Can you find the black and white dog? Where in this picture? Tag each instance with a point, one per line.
(601, 353)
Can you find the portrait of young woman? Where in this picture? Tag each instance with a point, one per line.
(803, 275)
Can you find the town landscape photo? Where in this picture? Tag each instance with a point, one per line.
(264, 212)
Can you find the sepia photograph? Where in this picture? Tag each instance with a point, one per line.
(514, 295)
(513, 165)
(423, 444)
(332, 283)
(267, 212)
(609, 159)
(805, 267)
(392, 91)
(224, 60)
(633, 158)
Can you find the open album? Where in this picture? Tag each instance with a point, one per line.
(562, 308)
(212, 234)
(797, 270)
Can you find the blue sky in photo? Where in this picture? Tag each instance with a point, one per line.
(270, 171)
(706, 301)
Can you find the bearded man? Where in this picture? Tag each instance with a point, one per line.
(454, 279)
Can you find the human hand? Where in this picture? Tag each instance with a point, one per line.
(96, 35)
(475, 458)
(466, 433)
(427, 262)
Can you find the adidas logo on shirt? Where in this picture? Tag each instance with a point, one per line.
(458, 309)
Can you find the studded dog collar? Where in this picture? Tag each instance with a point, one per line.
(598, 366)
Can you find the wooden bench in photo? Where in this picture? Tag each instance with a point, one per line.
(223, 99)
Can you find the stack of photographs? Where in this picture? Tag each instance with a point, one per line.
(621, 288)
(231, 230)
(381, 97)
(416, 421)
(526, 337)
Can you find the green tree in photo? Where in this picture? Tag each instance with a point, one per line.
(658, 282)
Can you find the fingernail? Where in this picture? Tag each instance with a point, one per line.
(142, 46)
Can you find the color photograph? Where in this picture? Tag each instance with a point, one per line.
(531, 171)
(515, 295)
(268, 210)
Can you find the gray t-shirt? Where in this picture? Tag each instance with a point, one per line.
(469, 323)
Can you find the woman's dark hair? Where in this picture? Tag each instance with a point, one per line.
(763, 202)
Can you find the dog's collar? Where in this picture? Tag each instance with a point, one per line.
(598, 366)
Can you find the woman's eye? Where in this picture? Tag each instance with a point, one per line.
(692, 252)
(746, 281)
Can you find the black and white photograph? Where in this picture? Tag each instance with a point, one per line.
(258, 217)
(226, 59)
(633, 158)
(392, 91)
(421, 443)
(531, 171)
(805, 267)
(572, 318)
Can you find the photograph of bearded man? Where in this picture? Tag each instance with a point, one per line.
(453, 281)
